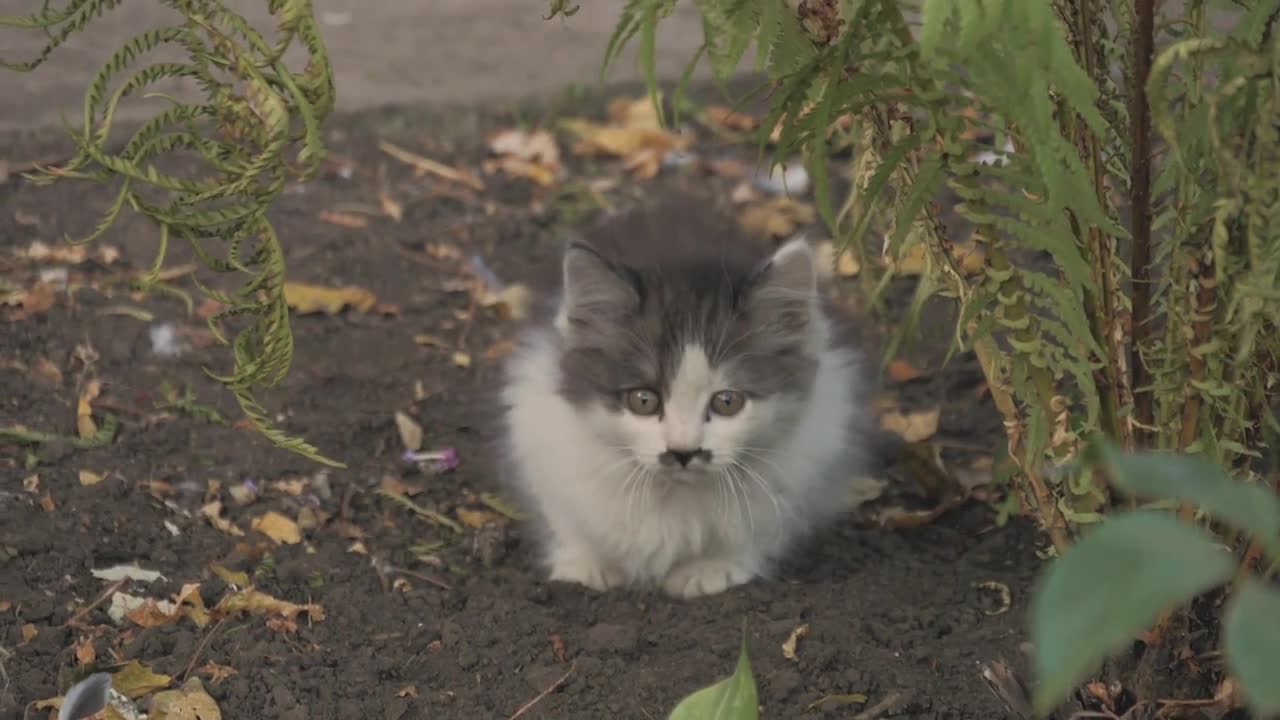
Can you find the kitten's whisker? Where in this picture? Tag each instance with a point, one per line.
(770, 493)
(745, 498)
(760, 455)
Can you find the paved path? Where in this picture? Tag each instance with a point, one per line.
(386, 51)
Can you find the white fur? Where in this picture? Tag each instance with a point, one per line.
(615, 517)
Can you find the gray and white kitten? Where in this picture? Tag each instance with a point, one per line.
(687, 415)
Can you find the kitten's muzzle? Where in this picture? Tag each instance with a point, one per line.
(671, 458)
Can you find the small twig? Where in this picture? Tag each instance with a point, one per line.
(1140, 209)
(525, 708)
(111, 590)
(426, 578)
(880, 708)
(200, 648)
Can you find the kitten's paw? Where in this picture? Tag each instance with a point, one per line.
(705, 577)
(585, 571)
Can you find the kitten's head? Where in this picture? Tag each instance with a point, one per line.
(692, 364)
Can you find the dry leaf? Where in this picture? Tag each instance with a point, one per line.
(730, 119)
(478, 518)
(89, 478)
(152, 614)
(847, 265)
(238, 578)
(84, 652)
(641, 148)
(407, 691)
(217, 673)
(47, 371)
(70, 254)
(410, 431)
(344, 219)
(38, 299)
(85, 426)
(903, 371)
(189, 702)
(29, 633)
(431, 340)
(533, 155)
(390, 207)
(970, 258)
(635, 112)
(259, 603)
(305, 299)
(31, 483)
(462, 359)
(517, 167)
(512, 303)
(47, 504)
(424, 166)
(789, 645)
(278, 528)
(912, 426)
(135, 680)
(777, 218)
(213, 511)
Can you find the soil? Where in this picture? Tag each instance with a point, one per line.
(420, 621)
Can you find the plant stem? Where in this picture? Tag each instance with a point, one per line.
(1140, 207)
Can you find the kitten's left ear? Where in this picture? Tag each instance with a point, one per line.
(786, 286)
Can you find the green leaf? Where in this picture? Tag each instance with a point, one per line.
(1110, 586)
(1189, 478)
(1251, 639)
(733, 698)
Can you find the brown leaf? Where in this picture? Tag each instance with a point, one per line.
(31, 483)
(461, 359)
(84, 652)
(47, 371)
(912, 426)
(641, 148)
(903, 371)
(149, 614)
(88, 477)
(38, 299)
(306, 299)
(47, 504)
(635, 112)
(537, 147)
(779, 217)
(278, 528)
(789, 645)
(213, 511)
(407, 691)
(730, 119)
(344, 219)
(29, 633)
(217, 673)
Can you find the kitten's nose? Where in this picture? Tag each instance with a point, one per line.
(684, 457)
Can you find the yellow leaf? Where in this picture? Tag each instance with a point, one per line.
(237, 578)
(536, 147)
(778, 218)
(213, 511)
(462, 359)
(278, 528)
(85, 426)
(477, 518)
(89, 478)
(189, 702)
(912, 426)
(635, 112)
(410, 431)
(511, 303)
(847, 265)
(306, 299)
(789, 645)
(622, 141)
(260, 603)
(135, 680)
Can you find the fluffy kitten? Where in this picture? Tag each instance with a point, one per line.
(687, 415)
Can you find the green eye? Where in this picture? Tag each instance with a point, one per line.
(727, 403)
(642, 401)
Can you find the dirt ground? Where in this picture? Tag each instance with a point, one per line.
(412, 619)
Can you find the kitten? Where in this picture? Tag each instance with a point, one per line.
(687, 415)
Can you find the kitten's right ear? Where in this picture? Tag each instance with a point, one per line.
(594, 289)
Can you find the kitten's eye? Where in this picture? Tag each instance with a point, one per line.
(727, 403)
(642, 401)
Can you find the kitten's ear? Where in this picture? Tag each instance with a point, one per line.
(786, 287)
(594, 289)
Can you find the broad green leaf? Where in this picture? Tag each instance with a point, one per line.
(1251, 639)
(733, 698)
(1251, 508)
(1109, 587)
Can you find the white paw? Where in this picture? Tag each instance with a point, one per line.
(705, 577)
(585, 570)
